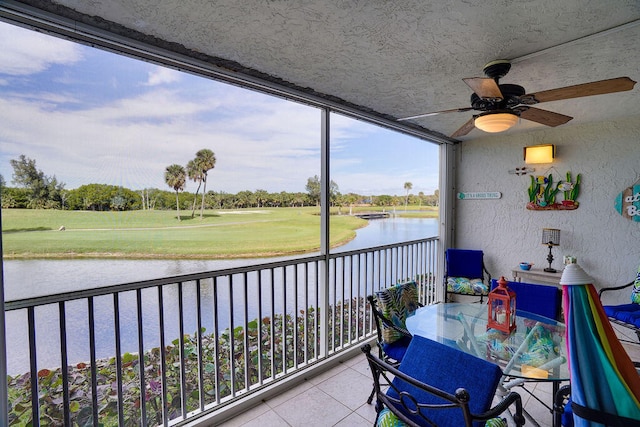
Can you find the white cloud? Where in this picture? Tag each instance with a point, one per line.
(24, 52)
(260, 142)
(130, 142)
(162, 75)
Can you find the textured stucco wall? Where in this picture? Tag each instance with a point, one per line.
(606, 244)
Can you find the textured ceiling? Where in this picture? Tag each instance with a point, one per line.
(401, 58)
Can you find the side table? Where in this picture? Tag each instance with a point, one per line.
(536, 276)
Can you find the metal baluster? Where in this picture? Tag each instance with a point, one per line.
(332, 343)
(183, 362)
(35, 400)
(199, 343)
(295, 316)
(316, 325)
(359, 300)
(273, 325)
(342, 300)
(284, 319)
(116, 325)
(247, 357)
(232, 342)
(216, 343)
(64, 369)
(92, 353)
(163, 358)
(305, 318)
(368, 292)
(143, 403)
(260, 337)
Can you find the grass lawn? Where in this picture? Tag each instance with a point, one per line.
(29, 233)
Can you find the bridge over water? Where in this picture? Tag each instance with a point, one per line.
(372, 215)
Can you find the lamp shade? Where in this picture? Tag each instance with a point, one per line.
(495, 122)
(573, 274)
(540, 153)
(550, 236)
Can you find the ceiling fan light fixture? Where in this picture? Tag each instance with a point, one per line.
(495, 122)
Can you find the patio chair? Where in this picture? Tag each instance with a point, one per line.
(390, 308)
(542, 300)
(465, 273)
(437, 385)
(627, 315)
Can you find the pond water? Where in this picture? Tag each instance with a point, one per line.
(30, 278)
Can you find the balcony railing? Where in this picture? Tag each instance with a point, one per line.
(168, 351)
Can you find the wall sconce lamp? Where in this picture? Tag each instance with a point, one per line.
(540, 153)
(497, 121)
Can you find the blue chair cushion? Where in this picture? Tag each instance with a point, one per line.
(464, 263)
(538, 299)
(614, 310)
(396, 349)
(447, 369)
(567, 415)
(628, 313)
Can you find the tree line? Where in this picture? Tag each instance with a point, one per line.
(32, 189)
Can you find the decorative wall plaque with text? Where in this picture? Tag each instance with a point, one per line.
(628, 202)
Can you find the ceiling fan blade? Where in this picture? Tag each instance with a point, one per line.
(485, 88)
(601, 87)
(454, 110)
(465, 128)
(544, 117)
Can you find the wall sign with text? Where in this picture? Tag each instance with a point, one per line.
(480, 195)
(628, 202)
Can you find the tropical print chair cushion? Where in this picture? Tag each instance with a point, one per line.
(462, 285)
(635, 292)
(386, 418)
(396, 304)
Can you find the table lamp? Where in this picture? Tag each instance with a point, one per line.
(550, 237)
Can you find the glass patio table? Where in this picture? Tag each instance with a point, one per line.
(534, 351)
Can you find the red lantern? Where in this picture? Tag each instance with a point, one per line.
(502, 307)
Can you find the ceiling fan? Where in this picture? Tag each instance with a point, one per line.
(501, 105)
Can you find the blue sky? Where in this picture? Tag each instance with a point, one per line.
(90, 116)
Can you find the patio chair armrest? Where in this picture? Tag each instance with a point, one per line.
(613, 288)
(512, 398)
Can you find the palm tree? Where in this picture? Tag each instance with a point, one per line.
(176, 177)
(407, 186)
(194, 171)
(205, 160)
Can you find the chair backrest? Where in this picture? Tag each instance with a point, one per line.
(396, 303)
(543, 300)
(446, 370)
(465, 263)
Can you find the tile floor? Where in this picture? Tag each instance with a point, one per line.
(338, 398)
